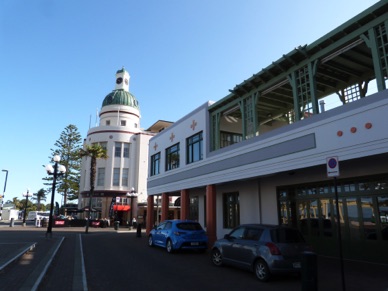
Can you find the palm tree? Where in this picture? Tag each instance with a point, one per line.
(40, 196)
(95, 151)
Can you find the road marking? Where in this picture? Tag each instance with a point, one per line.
(79, 276)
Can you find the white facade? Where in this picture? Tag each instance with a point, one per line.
(126, 144)
(301, 147)
(265, 146)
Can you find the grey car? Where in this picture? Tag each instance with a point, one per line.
(264, 249)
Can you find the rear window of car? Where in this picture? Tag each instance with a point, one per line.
(286, 235)
(189, 226)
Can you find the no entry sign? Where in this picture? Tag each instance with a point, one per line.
(332, 166)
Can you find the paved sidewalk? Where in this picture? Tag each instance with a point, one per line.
(26, 253)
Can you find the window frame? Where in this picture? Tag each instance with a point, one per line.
(170, 159)
(155, 164)
(194, 148)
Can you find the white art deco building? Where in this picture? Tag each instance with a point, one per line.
(270, 151)
(121, 180)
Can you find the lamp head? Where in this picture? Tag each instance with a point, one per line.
(49, 169)
(62, 169)
(57, 158)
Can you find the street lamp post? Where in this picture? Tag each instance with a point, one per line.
(25, 208)
(2, 198)
(132, 195)
(56, 171)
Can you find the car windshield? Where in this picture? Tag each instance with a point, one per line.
(286, 235)
(43, 214)
(189, 226)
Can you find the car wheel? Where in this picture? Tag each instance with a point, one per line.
(262, 271)
(150, 241)
(216, 257)
(169, 247)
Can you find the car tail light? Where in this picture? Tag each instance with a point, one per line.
(273, 249)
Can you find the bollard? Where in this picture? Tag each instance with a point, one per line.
(138, 230)
(11, 223)
(309, 271)
(117, 225)
(45, 222)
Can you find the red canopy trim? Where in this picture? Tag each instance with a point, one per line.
(121, 207)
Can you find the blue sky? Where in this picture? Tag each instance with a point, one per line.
(59, 59)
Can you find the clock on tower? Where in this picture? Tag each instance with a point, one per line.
(122, 80)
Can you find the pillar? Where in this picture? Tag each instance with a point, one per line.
(185, 204)
(211, 218)
(150, 214)
(165, 204)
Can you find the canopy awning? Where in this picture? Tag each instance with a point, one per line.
(121, 207)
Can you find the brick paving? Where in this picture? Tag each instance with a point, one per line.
(26, 254)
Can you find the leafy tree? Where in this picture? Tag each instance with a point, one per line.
(40, 196)
(18, 204)
(30, 205)
(95, 152)
(67, 147)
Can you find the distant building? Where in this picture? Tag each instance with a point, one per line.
(121, 180)
(267, 153)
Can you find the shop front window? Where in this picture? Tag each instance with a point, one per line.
(231, 207)
(368, 216)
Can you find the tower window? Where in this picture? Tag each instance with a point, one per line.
(100, 176)
(116, 177)
(107, 122)
(123, 122)
(126, 150)
(117, 149)
(124, 178)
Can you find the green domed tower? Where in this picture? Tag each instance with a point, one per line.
(120, 107)
(125, 170)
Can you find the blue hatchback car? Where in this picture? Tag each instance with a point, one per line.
(178, 234)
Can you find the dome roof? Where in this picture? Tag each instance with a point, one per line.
(120, 97)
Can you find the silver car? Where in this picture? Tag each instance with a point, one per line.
(264, 249)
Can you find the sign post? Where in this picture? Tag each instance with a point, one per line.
(332, 166)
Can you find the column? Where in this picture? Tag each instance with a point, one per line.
(185, 204)
(211, 218)
(165, 204)
(150, 214)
